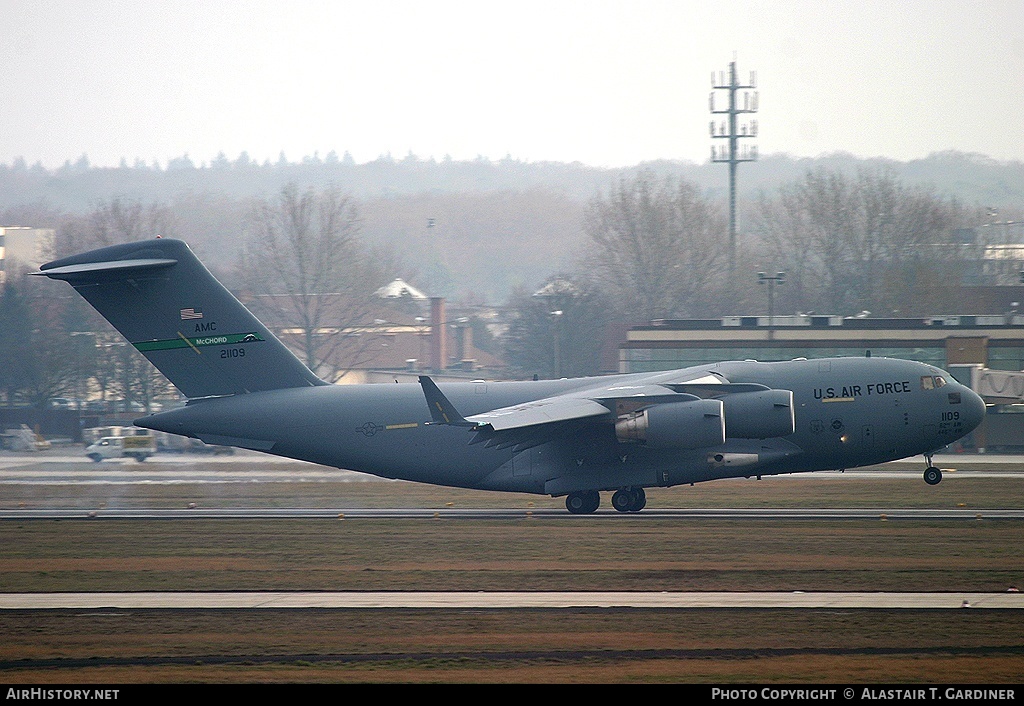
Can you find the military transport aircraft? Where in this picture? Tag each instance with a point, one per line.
(571, 437)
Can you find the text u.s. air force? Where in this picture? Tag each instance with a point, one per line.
(852, 391)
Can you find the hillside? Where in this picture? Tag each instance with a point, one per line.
(497, 225)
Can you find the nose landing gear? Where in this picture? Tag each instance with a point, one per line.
(932, 475)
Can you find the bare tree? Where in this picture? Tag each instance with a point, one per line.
(557, 331)
(39, 362)
(787, 245)
(657, 246)
(304, 269)
(866, 242)
(119, 220)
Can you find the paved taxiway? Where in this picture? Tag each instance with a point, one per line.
(506, 600)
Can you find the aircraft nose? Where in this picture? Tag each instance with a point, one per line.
(973, 408)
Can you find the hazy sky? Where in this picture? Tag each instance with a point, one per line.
(604, 83)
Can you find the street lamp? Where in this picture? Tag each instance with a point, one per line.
(558, 294)
(556, 316)
(770, 281)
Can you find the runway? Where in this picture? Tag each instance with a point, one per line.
(512, 514)
(64, 467)
(256, 468)
(487, 600)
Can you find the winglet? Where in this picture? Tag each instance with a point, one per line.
(441, 410)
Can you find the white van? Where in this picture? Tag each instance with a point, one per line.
(139, 447)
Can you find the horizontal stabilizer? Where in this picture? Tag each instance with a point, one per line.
(71, 272)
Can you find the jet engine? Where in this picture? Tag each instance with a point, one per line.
(759, 415)
(694, 424)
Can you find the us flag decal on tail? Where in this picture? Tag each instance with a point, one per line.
(191, 314)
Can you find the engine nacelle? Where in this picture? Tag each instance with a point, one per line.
(694, 424)
(759, 415)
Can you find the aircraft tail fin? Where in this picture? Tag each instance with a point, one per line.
(161, 298)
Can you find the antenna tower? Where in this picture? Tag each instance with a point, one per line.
(731, 130)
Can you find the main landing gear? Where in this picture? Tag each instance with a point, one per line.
(629, 499)
(932, 475)
(585, 502)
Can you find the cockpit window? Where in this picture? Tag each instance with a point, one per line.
(940, 381)
(926, 382)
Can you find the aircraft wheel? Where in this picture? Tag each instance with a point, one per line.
(639, 500)
(575, 503)
(932, 475)
(583, 502)
(624, 499)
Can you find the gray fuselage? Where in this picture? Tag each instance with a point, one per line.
(848, 412)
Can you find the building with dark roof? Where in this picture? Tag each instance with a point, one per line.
(995, 342)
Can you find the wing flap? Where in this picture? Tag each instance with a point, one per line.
(701, 389)
(544, 411)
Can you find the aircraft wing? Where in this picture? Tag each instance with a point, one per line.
(594, 403)
(677, 410)
(607, 401)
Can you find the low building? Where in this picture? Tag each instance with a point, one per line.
(396, 335)
(24, 247)
(995, 342)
